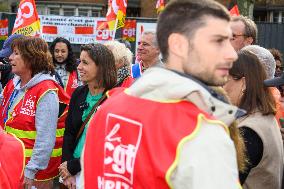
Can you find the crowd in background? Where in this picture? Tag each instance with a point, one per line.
(215, 93)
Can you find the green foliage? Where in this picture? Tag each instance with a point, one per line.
(246, 7)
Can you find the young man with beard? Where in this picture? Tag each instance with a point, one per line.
(173, 131)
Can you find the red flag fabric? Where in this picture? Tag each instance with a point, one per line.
(160, 5)
(116, 10)
(235, 11)
(3, 29)
(128, 31)
(27, 22)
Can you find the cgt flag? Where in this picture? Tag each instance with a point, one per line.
(235, 11)
(27, 22)
(116, 13)
(160, 5)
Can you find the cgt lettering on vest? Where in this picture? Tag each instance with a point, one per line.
(112, 184)
(120, 150)
(25, 31)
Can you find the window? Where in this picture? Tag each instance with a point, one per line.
(53, 10)
(41, 10)
(96, 13)
(275, 16)
(83, 12)
(68, 11)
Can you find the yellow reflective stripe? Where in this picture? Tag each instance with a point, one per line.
(30, 134)
(60, 132)
(55, 152)
(21, 133)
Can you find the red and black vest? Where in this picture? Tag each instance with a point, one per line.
(72, 83)
(21, 122)
(137, 149)
(12, 161)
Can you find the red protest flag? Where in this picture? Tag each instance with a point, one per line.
(160, 5)
(235, 11)
(27, 22)
(3, 29)
(116, 13)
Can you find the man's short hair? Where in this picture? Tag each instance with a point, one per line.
(250, 27)
(148, 32)
(185, 17)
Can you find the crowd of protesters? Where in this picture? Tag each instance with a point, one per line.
(201, 107)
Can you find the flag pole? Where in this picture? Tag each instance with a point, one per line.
(115, 26)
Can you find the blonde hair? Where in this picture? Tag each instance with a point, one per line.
(120, 52)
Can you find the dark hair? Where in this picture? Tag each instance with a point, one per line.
(185, 17)
(71, 64)
(256, 95)
(276, 54)
(105, 62)
(35, 54)
(250, 27)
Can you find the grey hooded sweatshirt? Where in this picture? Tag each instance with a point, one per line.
(45, 122)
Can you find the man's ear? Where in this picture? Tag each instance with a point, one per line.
(178, 44)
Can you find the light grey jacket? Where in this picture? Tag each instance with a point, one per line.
(45, 122)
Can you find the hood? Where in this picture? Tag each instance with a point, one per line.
(35, 80)
(164, 85)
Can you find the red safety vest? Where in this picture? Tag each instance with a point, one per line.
(137, 148)
(12, 161)
(22, 122)
(72, 83)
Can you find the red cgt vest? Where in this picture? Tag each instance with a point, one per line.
(72, 83)
(131, 148)
(22, 122)
(12, 161)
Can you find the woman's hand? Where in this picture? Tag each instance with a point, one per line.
(70, 182)
(28, 183)
(63, 172)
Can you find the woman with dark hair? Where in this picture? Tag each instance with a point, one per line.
(65, 64)
(98, 72)
(259, 126)
(30, 110)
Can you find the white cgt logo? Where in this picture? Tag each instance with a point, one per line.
(20, 15)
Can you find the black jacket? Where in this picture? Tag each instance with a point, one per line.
(72, 126)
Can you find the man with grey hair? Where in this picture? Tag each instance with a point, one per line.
(244, 32)
(148, 53)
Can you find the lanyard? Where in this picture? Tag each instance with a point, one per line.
(10, 102)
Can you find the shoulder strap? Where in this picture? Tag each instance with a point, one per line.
(90, 115)
(58, 78)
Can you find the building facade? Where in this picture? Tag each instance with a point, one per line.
(264, 10)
